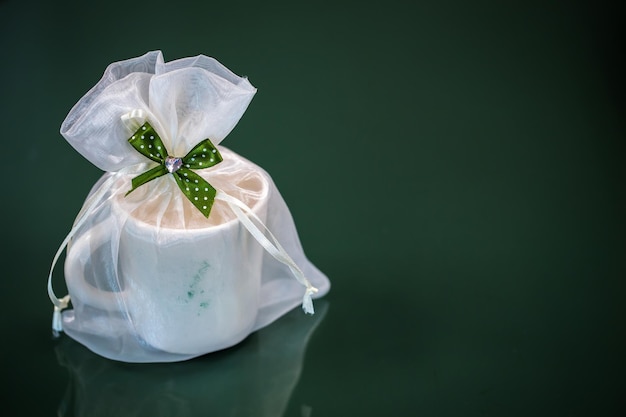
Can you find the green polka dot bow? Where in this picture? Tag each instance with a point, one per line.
(203, 155)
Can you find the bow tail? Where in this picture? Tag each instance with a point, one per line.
(196, 189)
(149, 175)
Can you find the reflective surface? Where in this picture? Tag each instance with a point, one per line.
(456, 169)
(256, 377)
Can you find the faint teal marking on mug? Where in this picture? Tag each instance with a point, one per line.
(203, 305)
(196, 280)
(194, 290)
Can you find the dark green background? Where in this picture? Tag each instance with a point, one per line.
(456, 168)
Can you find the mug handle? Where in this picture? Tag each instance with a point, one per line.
(77, 284)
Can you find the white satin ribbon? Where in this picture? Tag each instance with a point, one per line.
(134, 119)
(88, 208)
(273, 247)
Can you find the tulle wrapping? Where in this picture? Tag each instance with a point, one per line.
(150, 278)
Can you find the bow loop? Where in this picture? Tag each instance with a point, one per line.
(203, 155)
(148, 143)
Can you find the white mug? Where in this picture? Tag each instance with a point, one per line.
(185, 291)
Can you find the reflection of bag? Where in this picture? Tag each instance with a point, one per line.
(203, 251)
(257, 378)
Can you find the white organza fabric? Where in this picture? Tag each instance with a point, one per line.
(150, 278)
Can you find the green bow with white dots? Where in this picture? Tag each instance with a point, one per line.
(203, 155)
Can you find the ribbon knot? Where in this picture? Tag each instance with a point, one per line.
(204, 155)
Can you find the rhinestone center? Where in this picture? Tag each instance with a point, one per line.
(173, 164)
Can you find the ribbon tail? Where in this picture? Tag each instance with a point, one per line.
(147, 176)
(307, 302)
(57, 320)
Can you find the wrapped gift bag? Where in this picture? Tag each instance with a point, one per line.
(183, 247)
